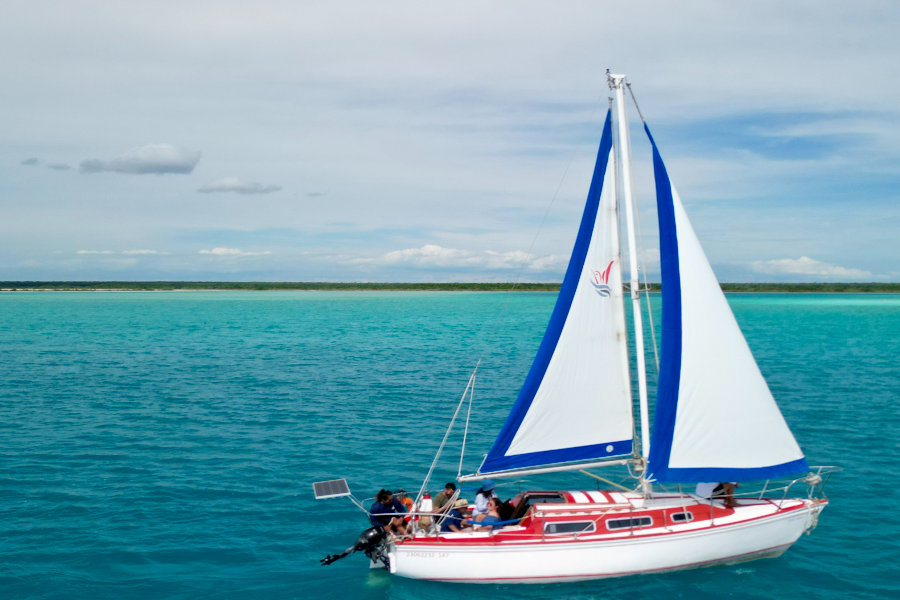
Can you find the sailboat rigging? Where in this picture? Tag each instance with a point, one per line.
(715, 419)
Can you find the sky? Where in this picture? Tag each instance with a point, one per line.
(427, 141)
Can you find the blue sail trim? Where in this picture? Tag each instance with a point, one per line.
(497, 459)
(554, 457)
(670, 361)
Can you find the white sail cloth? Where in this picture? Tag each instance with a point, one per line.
(584, 396)
(576, 404)
(716, 419)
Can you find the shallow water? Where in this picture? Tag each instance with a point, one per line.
(163, 445)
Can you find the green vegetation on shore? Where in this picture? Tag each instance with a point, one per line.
(815, 288)
(67, 286)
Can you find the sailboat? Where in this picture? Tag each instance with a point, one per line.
(715, 420)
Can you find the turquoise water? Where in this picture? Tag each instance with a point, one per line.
(163, 445)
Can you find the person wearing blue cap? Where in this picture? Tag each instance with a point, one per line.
(481, 500)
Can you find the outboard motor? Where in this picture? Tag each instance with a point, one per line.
(370, 542)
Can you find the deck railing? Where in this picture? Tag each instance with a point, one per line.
(815, 481)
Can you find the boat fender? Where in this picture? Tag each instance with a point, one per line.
(425, 506)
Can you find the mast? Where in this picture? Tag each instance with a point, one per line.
(617, 82)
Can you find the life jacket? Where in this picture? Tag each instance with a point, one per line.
(408, 503)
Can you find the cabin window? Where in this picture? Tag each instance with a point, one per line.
(569, 527)
(682, 517)
(523, 505)
(545, 498)
(635, 522)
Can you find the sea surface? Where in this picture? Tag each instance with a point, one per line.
(164, 445)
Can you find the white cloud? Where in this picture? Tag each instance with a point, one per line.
(30, 162)
(232, 252)
(233, 184)
(554, 262)
(432, 255)
(155, 159)
(95, 252)
(452, 127)
(59, 167)
(806, 266)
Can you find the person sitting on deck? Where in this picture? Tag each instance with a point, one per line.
(481, 500)
(441, 502)
(488, 522)
(383, 508)
(715, 489)
(453, 522)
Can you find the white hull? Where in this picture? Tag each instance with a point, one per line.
(578, 560)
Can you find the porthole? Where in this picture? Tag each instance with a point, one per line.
(634, 522)
(569, 527)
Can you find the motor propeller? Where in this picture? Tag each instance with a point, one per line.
(369, 542)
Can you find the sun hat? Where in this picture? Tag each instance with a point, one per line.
(488, 485)
(461, 503)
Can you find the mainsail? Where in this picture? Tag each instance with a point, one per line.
(716, 419)
(575, 404)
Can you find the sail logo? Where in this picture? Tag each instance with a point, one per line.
(600, 281)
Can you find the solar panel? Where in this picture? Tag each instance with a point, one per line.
(331, 489)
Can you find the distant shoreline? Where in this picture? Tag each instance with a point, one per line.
(189, 286)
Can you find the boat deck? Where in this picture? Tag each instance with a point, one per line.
(603, 515)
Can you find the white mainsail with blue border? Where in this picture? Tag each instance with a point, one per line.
(575, 404)
(716, 419)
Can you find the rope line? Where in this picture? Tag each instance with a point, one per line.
(462, 452)
(604, 480)
(446, 435)
(643, 266)
(643, 270)
(633, 99)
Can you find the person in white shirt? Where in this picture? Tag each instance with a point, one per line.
(481, 500)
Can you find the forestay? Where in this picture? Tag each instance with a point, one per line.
(716, 419)
(575, 404)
